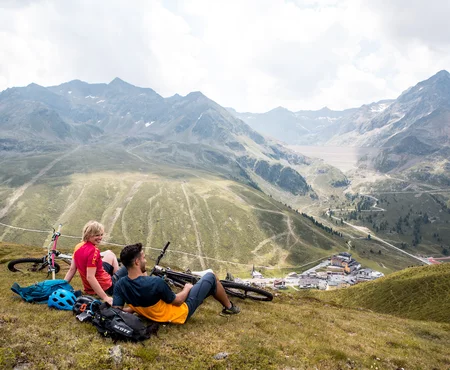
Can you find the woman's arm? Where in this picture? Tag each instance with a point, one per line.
(93, 282)
(71, 273)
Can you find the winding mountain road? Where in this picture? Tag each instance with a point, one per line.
(367, 231)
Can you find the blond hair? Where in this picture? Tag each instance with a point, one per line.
(92, 228)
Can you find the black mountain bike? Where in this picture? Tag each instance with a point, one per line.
(179, 279)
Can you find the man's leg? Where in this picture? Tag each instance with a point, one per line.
(111, 266)
(221, 295)
(228, 307)
(109, 257)
(206, 286)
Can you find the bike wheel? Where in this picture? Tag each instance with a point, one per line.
(246, 291)
(26, 265)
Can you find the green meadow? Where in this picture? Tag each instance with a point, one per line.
(334, 330)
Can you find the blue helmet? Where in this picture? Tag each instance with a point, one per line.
(62, 299)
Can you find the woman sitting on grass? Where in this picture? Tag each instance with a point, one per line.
(99, 272)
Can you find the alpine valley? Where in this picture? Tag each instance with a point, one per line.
(228, 189)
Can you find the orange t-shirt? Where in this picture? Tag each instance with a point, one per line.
(87, 255)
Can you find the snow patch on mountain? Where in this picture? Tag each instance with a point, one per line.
(379, 108)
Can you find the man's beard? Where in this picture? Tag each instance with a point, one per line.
(143, 268)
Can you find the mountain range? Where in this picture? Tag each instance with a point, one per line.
(124, 154)
(191, 130)
(411, 132)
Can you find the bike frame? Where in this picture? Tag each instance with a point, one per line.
(179, 279)
(53, 251)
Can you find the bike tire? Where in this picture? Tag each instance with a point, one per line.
(246, 291)
(26, 265)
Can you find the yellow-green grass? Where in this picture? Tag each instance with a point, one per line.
(139, 200)
(421, 293)
(289, 333)
(207, 216)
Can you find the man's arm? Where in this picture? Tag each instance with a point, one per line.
(125, 309)
(119, 301)
(93, 282)
(181, 297)
(72, 271)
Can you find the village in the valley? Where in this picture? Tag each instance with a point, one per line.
(338, 271)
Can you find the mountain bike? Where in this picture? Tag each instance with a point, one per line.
(45, 264)
(232, 288)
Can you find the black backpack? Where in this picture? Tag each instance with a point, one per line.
(119, 325)
(85, 306)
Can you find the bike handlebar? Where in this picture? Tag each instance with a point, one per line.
(161, 255)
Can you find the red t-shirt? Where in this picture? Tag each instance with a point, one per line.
(87, 255)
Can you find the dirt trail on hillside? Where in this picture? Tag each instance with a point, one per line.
(194, 223)
(150, 223)
(265, 241)
(19, 191)
(128, 199)
(291, 231)
(216, 236)
(110, 226)
(68, 208)
(267, 210)
(259, 195)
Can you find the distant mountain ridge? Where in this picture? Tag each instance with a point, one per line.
(372, 124)
(302, 127)
(414, 127)
(191, 130)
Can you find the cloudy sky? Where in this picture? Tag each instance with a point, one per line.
(252, 55)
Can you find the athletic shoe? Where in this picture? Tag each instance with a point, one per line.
(233, 310)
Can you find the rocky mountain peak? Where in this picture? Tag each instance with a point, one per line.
(280, 111)
(120, 85)
(34, 86)
(196, 95)
(119, 82)
(440, 75)
(435, 91)
(442, 78)
(325, 110)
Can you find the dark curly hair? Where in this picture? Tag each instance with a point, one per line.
(129, 254)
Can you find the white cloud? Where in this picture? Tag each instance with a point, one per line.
(252, 55)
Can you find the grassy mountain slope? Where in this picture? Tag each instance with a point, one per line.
(139, 199)
(202, 214)
(191, 129)
(290, 332)
(419, 293)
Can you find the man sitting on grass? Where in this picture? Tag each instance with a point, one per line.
(151, 297)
